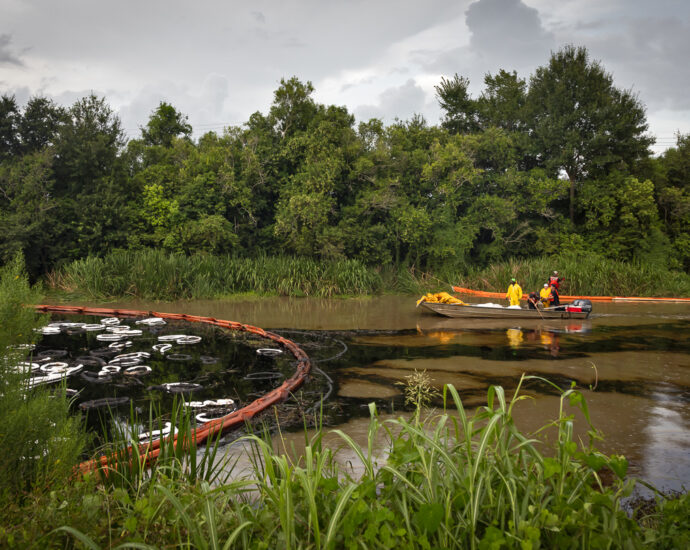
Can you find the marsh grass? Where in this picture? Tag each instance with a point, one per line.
(153, 274)
(584, 275)
(156, 275)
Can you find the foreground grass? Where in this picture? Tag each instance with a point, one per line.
(450, 480)
(39, 440)
(156, 275)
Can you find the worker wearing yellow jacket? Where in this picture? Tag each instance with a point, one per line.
(545, 295)
(514, 293)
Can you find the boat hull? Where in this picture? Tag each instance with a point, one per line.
(477, 312)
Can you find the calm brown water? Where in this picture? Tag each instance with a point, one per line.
(636, 357)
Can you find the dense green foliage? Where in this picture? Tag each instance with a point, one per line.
(557, 162)
(39, 440)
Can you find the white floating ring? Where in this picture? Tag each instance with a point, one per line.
(110, 337)
(133, 355)
(53, 368)
(171, 337)
(161, 348)
(93, 328)
(116, 328)
(269, 352)
(120, 345)
(188, 340)
(128, 332)
(109, 370)
(110, 321)
(209, 416)
(154, 434)
(151, 321)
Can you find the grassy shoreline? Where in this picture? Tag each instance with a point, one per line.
(155, 275)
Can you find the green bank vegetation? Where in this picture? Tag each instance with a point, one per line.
(158, 275)
(535, 166)
(451, 478)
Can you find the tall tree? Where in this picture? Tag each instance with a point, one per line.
(9, 119)
(90, 180)
(460, 109)
(165, 124)
(502, 102)
(40, 124)
(580, 122)
(293, 107)
(673, 196)
(29, 212)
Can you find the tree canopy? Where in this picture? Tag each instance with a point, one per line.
(557, 160)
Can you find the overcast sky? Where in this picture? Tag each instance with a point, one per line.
(218, 61)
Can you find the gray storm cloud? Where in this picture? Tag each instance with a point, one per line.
(220, 61)
(507, 32)
(7, 56)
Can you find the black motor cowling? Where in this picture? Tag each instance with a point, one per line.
(585, 305)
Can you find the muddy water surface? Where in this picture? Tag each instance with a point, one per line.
(634, 357)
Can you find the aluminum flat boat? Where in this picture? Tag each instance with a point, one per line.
(564, 311)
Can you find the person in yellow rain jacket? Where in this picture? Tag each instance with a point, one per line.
(545, 295)
(514, 293)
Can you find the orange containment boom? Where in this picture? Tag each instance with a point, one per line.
(461, 290)
(149, 452)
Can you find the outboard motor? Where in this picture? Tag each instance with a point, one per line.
(584, 305)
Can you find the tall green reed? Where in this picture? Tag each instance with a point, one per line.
(584, 275)
(153, 274)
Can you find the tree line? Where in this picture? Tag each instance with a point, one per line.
(558, 162)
